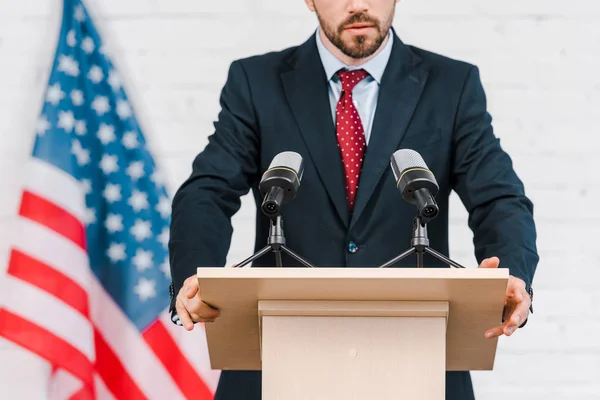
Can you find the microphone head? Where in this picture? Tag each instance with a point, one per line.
(280, 183)
(415, 181)
(405, 159)
(288, 160)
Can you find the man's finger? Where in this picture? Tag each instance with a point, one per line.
(495, 331)
(184, 316)
(191, 287)
(517, 318)
(492, 262)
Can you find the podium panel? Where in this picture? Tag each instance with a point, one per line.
(475, 299)
(353, 350)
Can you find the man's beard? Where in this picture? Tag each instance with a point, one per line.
(360, 47)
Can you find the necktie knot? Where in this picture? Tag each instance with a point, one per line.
(350, 79)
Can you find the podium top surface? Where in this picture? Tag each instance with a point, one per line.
(475, 296)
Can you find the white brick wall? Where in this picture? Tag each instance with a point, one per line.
(539, 60)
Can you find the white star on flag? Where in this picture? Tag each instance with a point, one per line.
(142, 260)
(116, 252)
(112, 192)
(141, 230)
(66, 120)
(42, 126)
(123, 109)
(136, 170)
(95, 75)
(109, 164)
(114, 223)
(87, 45)
(82, 155)
(145, 289)
(130, 140)
(55, 94)
(138, 200)
(80, 128)
(68, 65)
(164, 207)
(106, 133)
(77, 97)
(100, 105)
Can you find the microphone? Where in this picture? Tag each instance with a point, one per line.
(416, 182)
(280, 183)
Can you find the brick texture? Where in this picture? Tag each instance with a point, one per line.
(539, 60)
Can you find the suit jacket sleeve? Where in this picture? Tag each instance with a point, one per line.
(225, 170)
(500, 214)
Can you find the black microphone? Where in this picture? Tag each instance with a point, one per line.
(416, 182)
(280, 183)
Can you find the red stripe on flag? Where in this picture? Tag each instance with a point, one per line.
(175, 362)
(46, 213)
(112, 372)
(50, 280)
(48, 346)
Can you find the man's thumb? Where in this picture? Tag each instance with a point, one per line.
(191, 291)
(492, 262)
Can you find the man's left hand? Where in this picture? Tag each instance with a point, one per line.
(516, 303)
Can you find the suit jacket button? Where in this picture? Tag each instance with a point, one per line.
(352, 247)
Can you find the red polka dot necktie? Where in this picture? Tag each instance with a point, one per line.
(350, 132)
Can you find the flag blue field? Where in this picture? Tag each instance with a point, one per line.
(88, 272)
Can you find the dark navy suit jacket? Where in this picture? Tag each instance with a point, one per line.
(279, 101)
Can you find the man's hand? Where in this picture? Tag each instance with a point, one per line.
(190, 307)
(516, 303)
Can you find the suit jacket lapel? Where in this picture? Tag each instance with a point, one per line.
(307, 92)
(401, 87)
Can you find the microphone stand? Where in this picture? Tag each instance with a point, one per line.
(420, 245)
(276, 243)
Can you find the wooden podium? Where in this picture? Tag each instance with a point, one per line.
(346, 333)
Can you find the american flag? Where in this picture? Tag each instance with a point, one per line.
(87, 283)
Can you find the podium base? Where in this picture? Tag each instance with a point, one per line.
(353, 350)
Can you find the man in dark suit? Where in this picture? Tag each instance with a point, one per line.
(346, 99)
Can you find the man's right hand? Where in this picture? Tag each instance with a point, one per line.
(190, 307)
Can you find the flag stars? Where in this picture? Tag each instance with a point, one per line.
(112, 192)
(101, 105)
(138, 200)
(163, 238)
(166, 268)
(123, 109)
(109, 164)
(42, 126)
(164, 207)
(77, 97)
(145, 289)
(95, 75)
(66, 121)
(136, 170)
(80, 128)
(142, 260)
(89, 216)
(79, 14)
(55, 94)
(87, 45)
(82, 155)
(130, 140)
(116, 252)
(106, 133)
(68, 65)
(141, 230)
(114, 223)
(71, 39)
(113, 80)
(86, 186)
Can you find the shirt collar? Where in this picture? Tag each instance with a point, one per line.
(375, 66)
